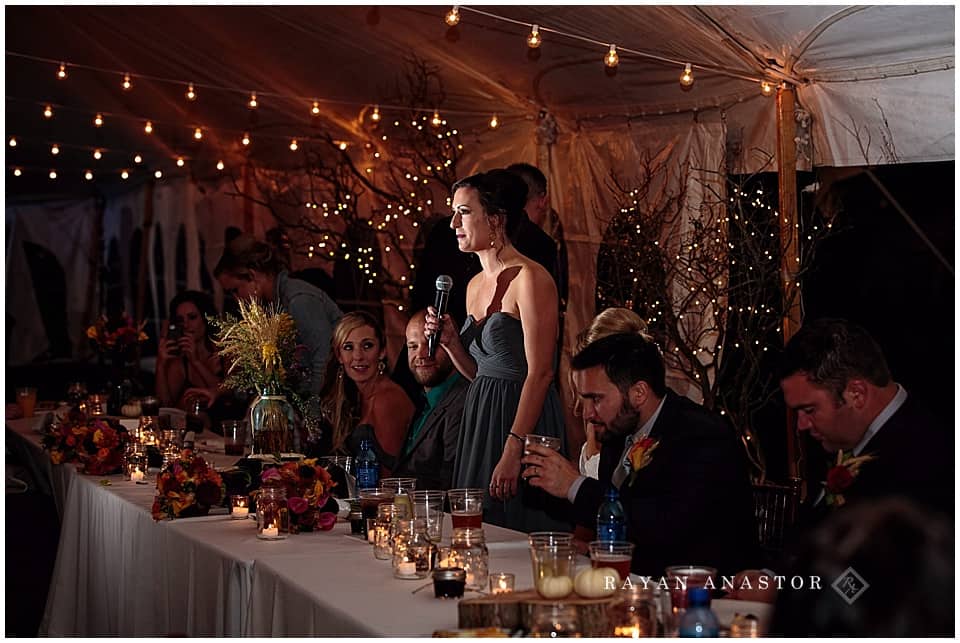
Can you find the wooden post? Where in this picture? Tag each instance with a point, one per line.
(789, 238)
(146, 247)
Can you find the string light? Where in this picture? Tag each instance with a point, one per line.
(127, 85)
(47, 111)
(293, 145)
(13, 141)
(97, 154)
(55, 149)
(138, 159)
(686, 78)
(62, 72)
(17, 171)
(158, 174)
(98, 120)
(220, 165)
(148, 128)
(436, 121)
(534, 40)
(124, 175)
(198, 133)
(612, 59)
(252, 104)
(53, 174)
(342, 145)
(191, 94)
(375, 116)
(179, 161)
(766, 88)
(246, 139)
(315, 109)
(494, 122)
(453, 16)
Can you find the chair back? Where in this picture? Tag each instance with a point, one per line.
(775, 507)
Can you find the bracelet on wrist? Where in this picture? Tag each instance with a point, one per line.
(517, 437)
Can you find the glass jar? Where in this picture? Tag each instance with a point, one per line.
(384, 530)
(469, 549)
(273, 521)
(634, 615)
(554, 620)
(135, 463)
(272, 423)
(411, 550)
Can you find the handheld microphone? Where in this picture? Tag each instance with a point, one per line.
(444, 284)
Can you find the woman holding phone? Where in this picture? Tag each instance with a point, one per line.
(186, 355)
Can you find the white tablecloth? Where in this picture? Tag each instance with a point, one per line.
(118, 572)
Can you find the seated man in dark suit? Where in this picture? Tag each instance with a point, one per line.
(691, 503)
(431, 445)
(836, 378)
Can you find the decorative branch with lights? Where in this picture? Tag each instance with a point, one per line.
(349, 202)
(706, 277)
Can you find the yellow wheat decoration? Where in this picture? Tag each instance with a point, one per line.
(256, 345)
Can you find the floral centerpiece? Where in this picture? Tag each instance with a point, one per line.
(309, 503)
(92, 442)
(119, 336)
(187, 487)
(262, 352)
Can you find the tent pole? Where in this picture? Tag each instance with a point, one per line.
(789, 238)
(146, 245)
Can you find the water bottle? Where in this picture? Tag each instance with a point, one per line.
(611, 518)
(699, 620)
(368, 468)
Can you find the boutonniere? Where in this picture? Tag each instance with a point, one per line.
(841, 476)
(640, 455)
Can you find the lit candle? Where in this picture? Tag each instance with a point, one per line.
(407, 568)
(241, 512)
(501, 583)
(370, 536)
(136, 475)
(271, 532)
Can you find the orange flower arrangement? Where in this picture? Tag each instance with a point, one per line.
(640, 455)
(187, 487)
(94, 443)
(106, 335)
(308, 494)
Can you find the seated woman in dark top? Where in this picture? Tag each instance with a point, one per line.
(186, 355)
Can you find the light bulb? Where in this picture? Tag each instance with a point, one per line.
(127, 85)
(124, 175)
(220, 165)
(179, 161)
(53, 174)
(97, 154)
(494, 122)
(98, 120)
(686, 78)
(13, 141)
(198, 133)
(534, 39)
(138, 159)
(343, 146)
(55, 149)
(62, 72)
(17, 172)
(612, 59)
(436, 121)
(148, 128)
(453, 16)
(375, 116)
(293, 145)
(315, 109)
(48, 111)
(766, 88)
(191, 94)
(158, 174)
(252, 104)
(246, 139)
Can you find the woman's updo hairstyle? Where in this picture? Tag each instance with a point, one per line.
(244, 253)
(501, 193)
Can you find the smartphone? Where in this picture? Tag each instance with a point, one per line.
(174, 333)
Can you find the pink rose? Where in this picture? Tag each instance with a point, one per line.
(326, 521)
(270, 474)
(297, 505)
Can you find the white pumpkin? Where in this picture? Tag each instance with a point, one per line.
(555, 586)
(131, 410)
(597, 582)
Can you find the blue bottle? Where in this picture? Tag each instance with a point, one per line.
(611, 518)
(368, 468)
(698, 621)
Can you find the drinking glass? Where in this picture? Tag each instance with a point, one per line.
(27, 400)
(466, 508)
(553, 569)
(235, 440)
(428, 505)
(616, 554)
(97, 404)
(548, 441)
(371, 499)
(680, 579)
(150, 406)
(345, 462)
(400, 487)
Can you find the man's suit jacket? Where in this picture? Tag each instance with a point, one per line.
(692, 504)
(430, 460)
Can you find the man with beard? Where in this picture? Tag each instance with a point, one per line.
(681, 473)
(430, 448)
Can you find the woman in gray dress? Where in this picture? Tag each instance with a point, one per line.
(506, 348)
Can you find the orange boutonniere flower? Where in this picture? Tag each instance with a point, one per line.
(640, 455)
(841, 476)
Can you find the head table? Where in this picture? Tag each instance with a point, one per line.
(119, 572)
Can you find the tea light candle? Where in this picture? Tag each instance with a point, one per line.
(271, 532)
(136, 475)
(501, 583)
(408, 568)
(370, 536)
(628, 632)
(240, 507)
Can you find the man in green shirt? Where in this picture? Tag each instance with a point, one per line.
(431, 444)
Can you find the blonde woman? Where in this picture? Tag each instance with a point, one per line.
(359, 399)
(611, 321)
